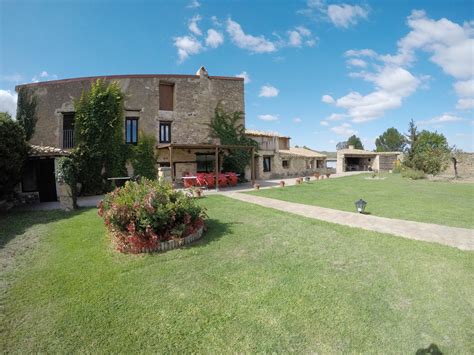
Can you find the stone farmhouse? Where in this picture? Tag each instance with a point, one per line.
(176, 108)
(276, 159)
(351, 159)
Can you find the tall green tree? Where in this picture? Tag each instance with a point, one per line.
(144, 156)
(228, 127)
(355, 141)
(431, 152)
(390, 141)
(411, 137)
(100, 150)
(13, 153)
(26, 114)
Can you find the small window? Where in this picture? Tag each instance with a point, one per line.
(166, 96)
(131, 130)
(267, 164)
(205, 163)
(285, 164)
(165, 132)
(68, 130)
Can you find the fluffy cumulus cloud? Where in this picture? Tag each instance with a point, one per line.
(268, 91)
(186, 46)
(8, 102)
(43, 76)
(299, 37)
(245, 76)
(324, 123)
(268, 117)
(254, 44)
(328, 99)
(193, 25)
(336, 117)
(344, 129)
(340, 15)
(450, 46)
(214, 38)
(444, 118)
(193, 4)
(297, 120)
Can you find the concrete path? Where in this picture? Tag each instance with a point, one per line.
(461, 238)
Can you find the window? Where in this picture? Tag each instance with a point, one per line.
(205, 163)
(165, 132)
(131, 130)
(267, 164)
(285, 164)
(166, 93)
(68, 130)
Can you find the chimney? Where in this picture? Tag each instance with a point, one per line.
(351, 147)
(202, 72)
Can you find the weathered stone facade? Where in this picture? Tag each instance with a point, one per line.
(362, 160)
(285, 161)
(195, 99)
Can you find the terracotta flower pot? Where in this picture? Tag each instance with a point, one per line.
(282, 183)
(256, 187)
(197, 193)
(328, 175)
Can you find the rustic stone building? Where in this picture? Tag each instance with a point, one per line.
(363, 160)
(276, 159)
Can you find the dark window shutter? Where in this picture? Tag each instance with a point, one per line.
(166, 97)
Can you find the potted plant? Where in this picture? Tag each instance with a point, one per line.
(298, 181)
(282, 183)
(328, 175)
(256, 187)
(197, 191)
(317, 175)
(307, 179)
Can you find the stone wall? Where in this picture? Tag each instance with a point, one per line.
(465, 166)
(195, 99)
(297, 166)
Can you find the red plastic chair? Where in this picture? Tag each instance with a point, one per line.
(210, 180)
(222, 180)
(189, 183)
(201, 180)
(232, 179)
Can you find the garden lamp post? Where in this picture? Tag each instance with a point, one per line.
(360, 205)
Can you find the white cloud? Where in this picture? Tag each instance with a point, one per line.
(361, 53)
(244, 75)
(465, 90)
(444, 118)
(268, 117)
(214, 39)
(193, 25)
(254, 44)
(12, 78)
(465, 104)
(193, 4)
(324, 123)
(43, 76)
(268, 91)
(187, 45)
(344, 15)
(328, 99)
(344, 130)
(296, 37)
(8, 102)
(356, 62)
(297, 120)
(336, 117)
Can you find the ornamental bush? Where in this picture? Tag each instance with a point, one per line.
(142, 214)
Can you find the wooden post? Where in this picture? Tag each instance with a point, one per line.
(216, 169)
(252, 167)
(171, 164)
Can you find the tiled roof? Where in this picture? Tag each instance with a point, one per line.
(46, 151)
(365, 152)
(253, 132)
(302, 152)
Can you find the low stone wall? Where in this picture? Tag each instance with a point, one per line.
(174, 244)
(465, 166)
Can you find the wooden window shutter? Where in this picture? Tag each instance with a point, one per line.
(166, 96)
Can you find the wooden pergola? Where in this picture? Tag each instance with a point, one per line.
(216, 148)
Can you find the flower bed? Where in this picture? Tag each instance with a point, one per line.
(150, 216)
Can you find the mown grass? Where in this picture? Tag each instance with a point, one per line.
(437, 202)
(260, 281)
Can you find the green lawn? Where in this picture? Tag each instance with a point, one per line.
(260, 281)
(395, 197)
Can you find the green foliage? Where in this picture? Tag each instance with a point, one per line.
(66, 172)
(13, 153)
(142, 214)
(430, 153)
(413, 174)
(229, 129)
(144, 156)
(411, 137)
(100, 150)
(390, 141)
(352, 140)
(26, 114)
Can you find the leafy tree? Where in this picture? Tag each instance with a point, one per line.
(13, 153)
(390, 141)
(341, 145)
(227, 128)
(352, 140)
(26, 114)
(144, 157)
(431, 152)
(100, 150)
(411, 137)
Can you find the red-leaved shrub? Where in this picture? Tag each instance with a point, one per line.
(142, 214)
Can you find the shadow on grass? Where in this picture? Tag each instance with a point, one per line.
(432, 350)
(215, 230)
(15, 223)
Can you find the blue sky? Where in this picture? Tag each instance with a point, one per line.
(318, 70)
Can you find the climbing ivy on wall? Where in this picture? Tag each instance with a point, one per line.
(144, 156)
(229, 129)
(100, 151)
(26, 113)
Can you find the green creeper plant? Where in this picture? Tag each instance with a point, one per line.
(144, 156)
(26, 114)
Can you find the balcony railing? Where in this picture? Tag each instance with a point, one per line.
(68, 138)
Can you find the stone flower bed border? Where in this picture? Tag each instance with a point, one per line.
(171, 244)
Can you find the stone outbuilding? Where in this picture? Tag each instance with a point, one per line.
(352, 159)
(276, 159)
